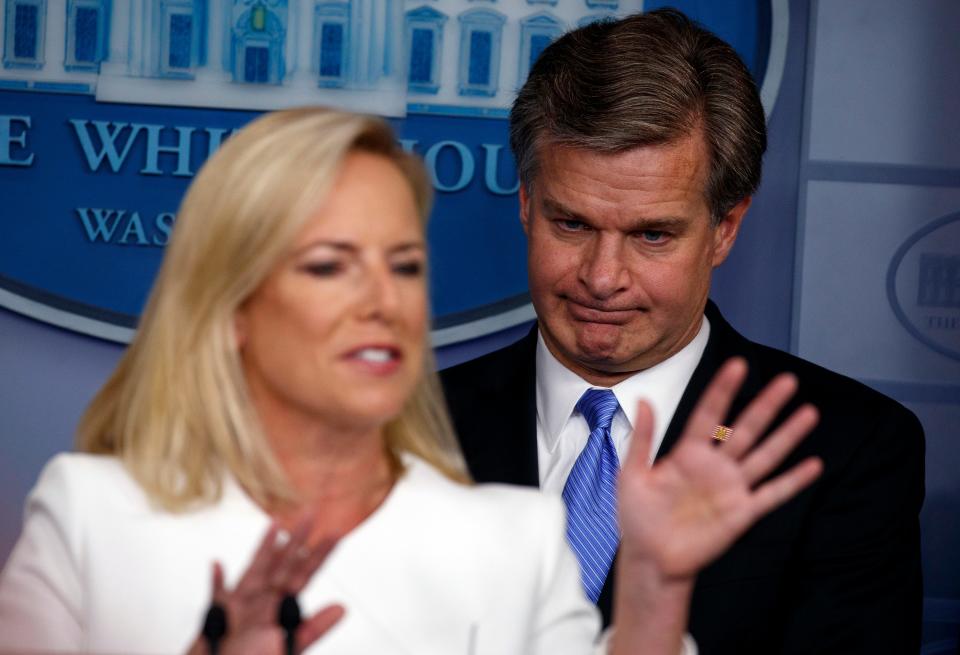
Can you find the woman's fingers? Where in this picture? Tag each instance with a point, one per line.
(307, 564)
(715, 402)
(317, 625)
(763, 459)
(218, 593)
(754, 420)
(289, 556)
(275, 559)
(277, 568)
(782, 488)
(262, 561)
(639, 451)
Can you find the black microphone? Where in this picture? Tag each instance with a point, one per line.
(215, 627)
(289, 619)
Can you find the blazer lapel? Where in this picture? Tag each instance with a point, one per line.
(371, 572)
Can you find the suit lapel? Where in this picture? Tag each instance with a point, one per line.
(520, 395)
(498, 424)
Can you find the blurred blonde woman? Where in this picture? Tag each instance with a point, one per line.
(278, 411)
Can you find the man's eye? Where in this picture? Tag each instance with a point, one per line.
(409, 269)
(572, 226)
(653, 236)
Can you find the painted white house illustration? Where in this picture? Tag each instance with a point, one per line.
(460, 57)
(471, 56)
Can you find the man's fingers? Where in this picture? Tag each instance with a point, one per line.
(767, 456)
(782, 488)
(755, 419)
(317, 625)
(715, 402)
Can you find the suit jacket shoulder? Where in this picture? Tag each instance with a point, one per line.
(836, 569)
(837, 397)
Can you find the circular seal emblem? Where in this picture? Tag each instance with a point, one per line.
(923, 285)
(101, 149)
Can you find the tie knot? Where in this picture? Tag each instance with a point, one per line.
(598, 406)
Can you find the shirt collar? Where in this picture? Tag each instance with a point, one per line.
(559, 388)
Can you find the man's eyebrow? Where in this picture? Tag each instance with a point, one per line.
(660, 224)
(557, 210)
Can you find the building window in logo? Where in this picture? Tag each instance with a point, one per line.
(85, 21)
(538, 43)
(421, 56)
(23, 34)
(330, 42)
(181, 37)
(424, 38)
(181, 33)
(939, 283)
(480, 52)
(536, 33)
(331, 50)
(257, 41)
(87, 34)
(479, 67)
(256, 64)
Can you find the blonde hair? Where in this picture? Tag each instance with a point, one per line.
(176, 410)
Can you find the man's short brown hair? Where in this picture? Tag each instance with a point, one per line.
(644, 80)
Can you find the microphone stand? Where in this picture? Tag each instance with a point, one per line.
(289, 619)
(215, 627)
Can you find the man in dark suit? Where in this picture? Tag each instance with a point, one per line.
(639, 145)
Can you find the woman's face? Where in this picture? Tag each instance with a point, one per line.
(336, 332)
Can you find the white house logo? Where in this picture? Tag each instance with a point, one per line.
(923, 285)
(109, 107)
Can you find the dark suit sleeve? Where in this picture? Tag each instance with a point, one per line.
(859, 587)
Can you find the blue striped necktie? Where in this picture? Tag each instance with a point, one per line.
(591, 493)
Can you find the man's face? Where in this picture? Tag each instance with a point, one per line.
(620, 252)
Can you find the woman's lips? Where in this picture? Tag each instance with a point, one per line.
(377, 359)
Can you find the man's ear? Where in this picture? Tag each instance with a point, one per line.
(726, 231)
(525, 199)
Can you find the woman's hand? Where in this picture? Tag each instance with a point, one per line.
(251, 607)
(686, 510)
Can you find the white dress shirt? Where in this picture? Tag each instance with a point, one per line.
(562, 431)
